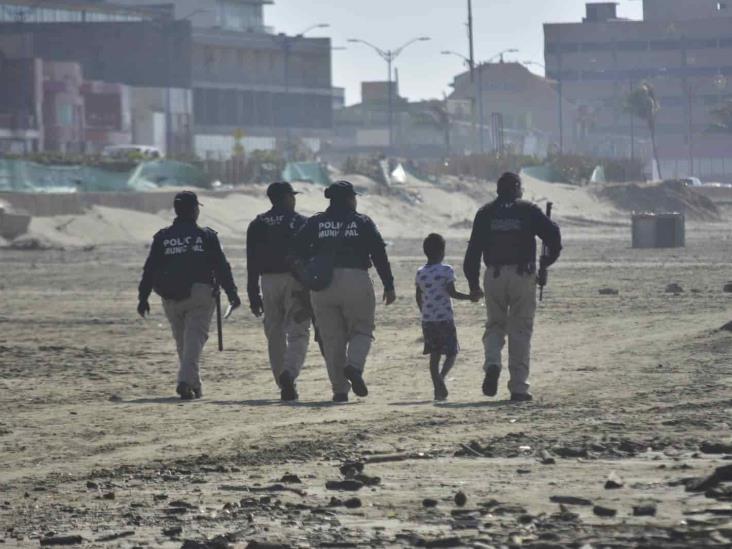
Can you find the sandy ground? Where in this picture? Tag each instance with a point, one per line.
(636, 386)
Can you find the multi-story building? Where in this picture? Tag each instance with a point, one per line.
(271, 88)
(143, 50)
(520, 109)
(683, 48)
(21, 99)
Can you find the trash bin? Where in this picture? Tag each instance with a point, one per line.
(659, 230)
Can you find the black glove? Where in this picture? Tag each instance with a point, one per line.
(256, 305)
(545, 262)
(143, 308)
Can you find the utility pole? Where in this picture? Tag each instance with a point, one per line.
(471, 63)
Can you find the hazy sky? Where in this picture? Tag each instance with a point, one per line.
(423, 72)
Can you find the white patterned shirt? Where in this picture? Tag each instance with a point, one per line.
(433, 280)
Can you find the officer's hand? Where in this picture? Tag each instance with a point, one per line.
(257, 307)
(545, 262)
(542, 277)
(235, 302)
(476, 295)
(389, 297)
(143, 308)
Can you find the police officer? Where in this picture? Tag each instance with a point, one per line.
(185, 264)
(504, 234)
(284, 302)
(345, 310)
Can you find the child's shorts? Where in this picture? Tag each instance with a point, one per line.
(440, 337)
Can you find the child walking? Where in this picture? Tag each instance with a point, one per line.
(435, 288)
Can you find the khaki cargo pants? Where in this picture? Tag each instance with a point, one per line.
(286, 323)
(190, 321)
(510, 301)
(344, 313)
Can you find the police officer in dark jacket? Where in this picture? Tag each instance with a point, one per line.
(504, 235)
(345, 310)
(284, 302)
(185, 266)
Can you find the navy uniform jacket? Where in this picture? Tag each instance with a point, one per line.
(269, 245)
(182, 255)
(504, 234)
(362, 244)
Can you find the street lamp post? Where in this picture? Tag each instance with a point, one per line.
(286, 43)
(390, 56)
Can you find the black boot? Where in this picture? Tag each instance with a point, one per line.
(288, 391)
(490, 383)
(340, 397)
(521, 397)
(185, 391)
(357, 383)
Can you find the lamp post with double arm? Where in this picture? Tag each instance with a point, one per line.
(390, 56)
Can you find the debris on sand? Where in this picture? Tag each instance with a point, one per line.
(546, 458)
(461, 499)
(727, 288)
(608, 291)
(570, 500)
(614, 482)
(429, 503)
(61, 540)
(173, 531)
(344, 485)
(674, 288)
(727, 327)
(601, 511)
(702, 484)
(290, 478)
(716, 447)
(647, 509)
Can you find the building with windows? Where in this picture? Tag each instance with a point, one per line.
(520, 109)
(273, 89)
(683, 48)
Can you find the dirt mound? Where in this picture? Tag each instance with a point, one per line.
(669, 196)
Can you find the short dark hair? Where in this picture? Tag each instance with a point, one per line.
(433, 245)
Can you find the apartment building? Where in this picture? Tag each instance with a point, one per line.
(683, 48)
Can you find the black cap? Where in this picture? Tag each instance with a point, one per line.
(280, 189)
(186, 201)
(340, 189)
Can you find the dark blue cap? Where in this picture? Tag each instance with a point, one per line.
(280, 189)
(340, 189)
(186, 200)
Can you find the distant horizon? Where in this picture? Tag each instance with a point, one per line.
(444, 23)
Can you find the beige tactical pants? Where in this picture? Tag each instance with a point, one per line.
(190, 321)
(510, 301)
(344, 313)
(286, 323)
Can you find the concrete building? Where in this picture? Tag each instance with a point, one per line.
(138, 48)
(682, 48)
(274, 89)
(520, 109)
(21, 99)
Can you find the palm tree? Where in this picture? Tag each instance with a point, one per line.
(642, 103)
(722, 118)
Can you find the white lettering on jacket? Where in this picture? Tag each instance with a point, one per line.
(332, 229)
(177, 246)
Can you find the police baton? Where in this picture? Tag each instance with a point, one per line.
(544, 271)
(219, 323)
